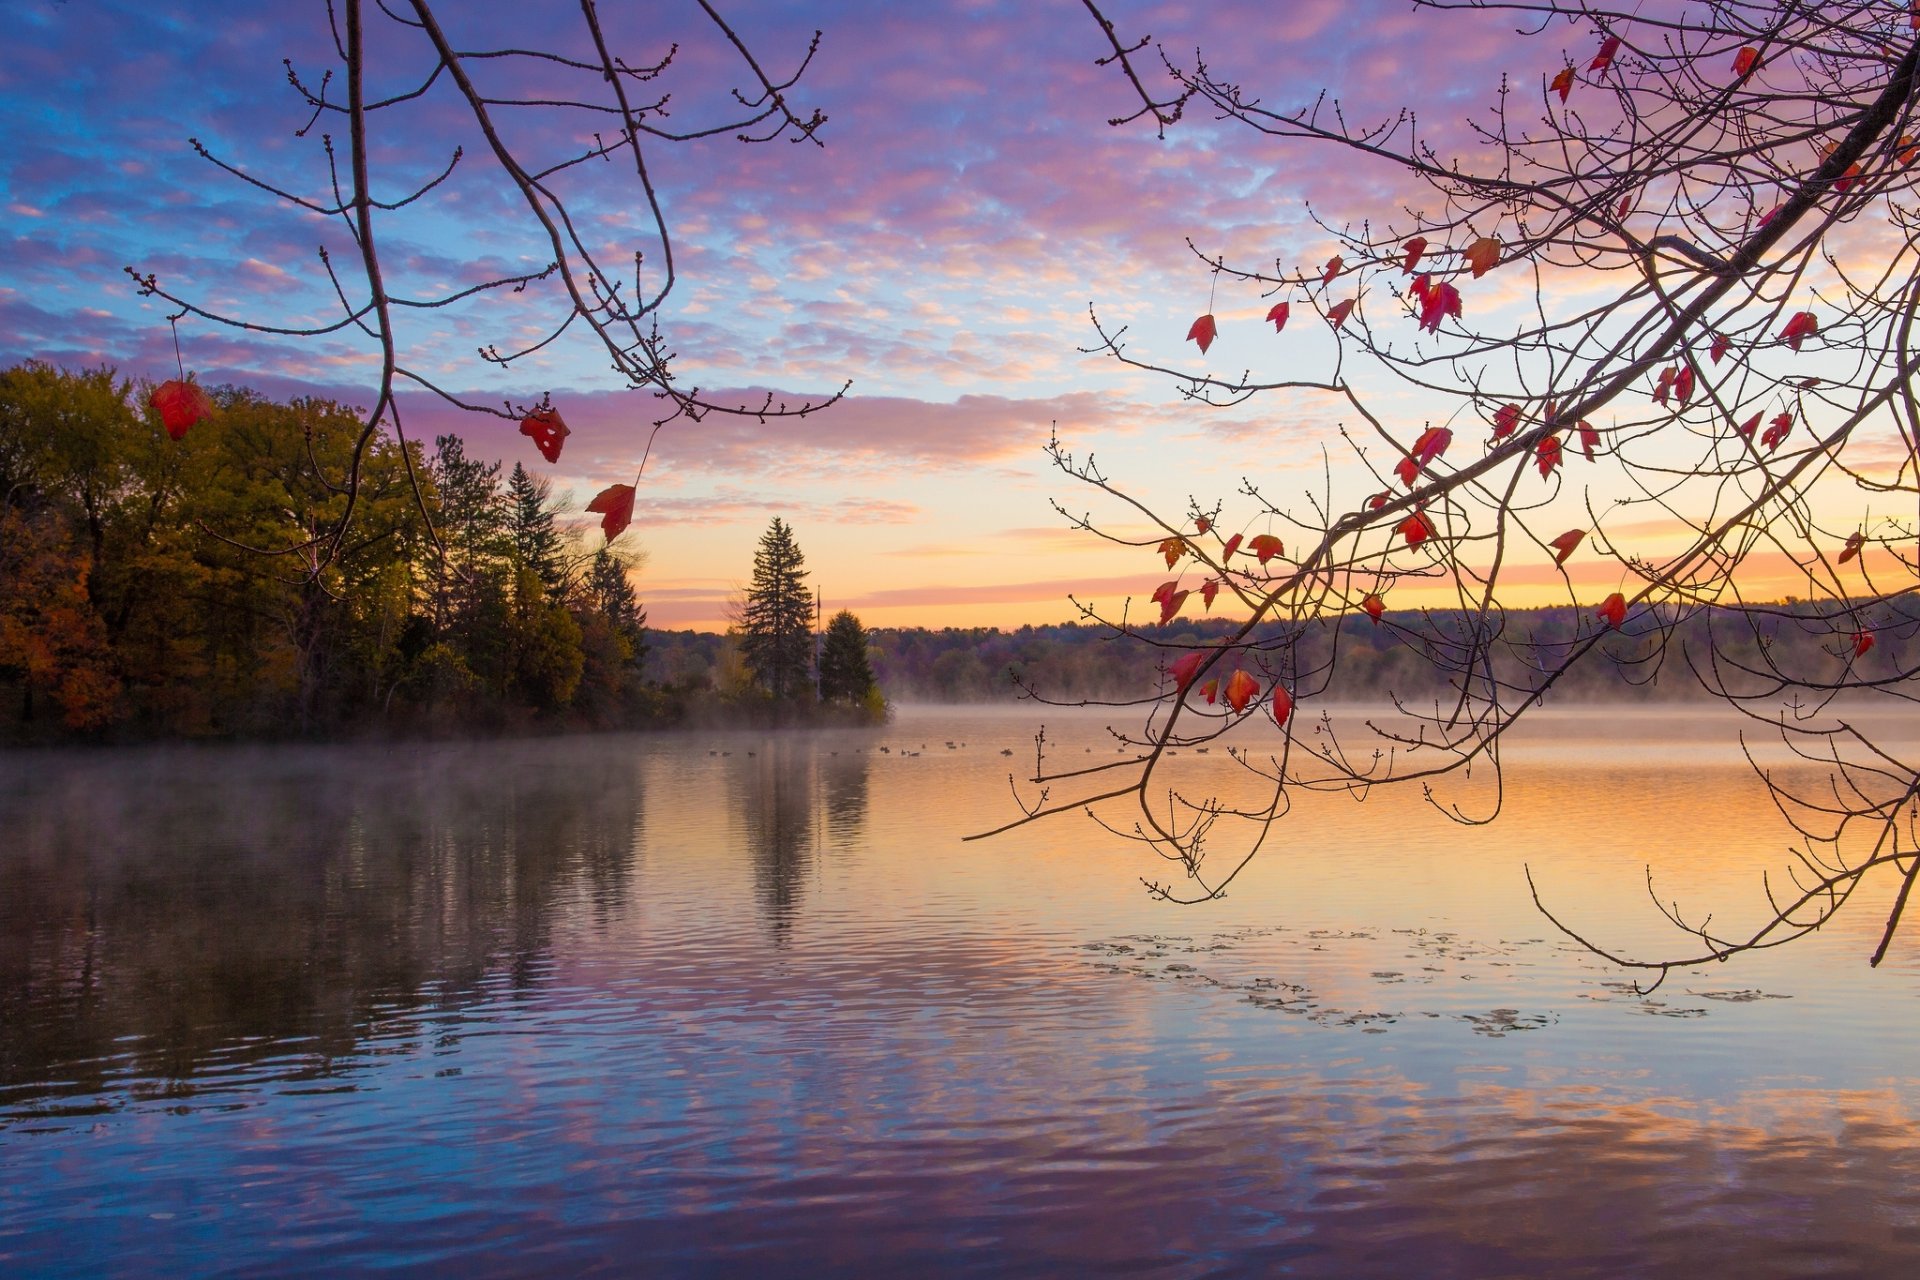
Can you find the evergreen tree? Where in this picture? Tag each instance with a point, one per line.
(777, 630)
(536, 543)
(610, 593)
(845, 674)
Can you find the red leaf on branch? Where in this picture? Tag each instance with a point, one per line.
(1233, 545)
(614, 506)
(1506, 420)
(1546, 455)
(1613, 610)
(1208, 590)
(1408, 469)
(1203, 332)
(1211, 690)
(1802, 326)
(1173, 549)
(1855, 541)
(1422, 285)
(1563, 546)
(1338, 315)
(1203, 524)
(1746, 60)
(180, 405)
(1777, 430)
(1378, 501)
(1909, 150)
(1241, 689)
(1589, 438)
(1171, 605)
(1282, 706)
(1165, 589)
(1862, 641)
(1373, 606)
(1667, 375)
(1187, 668)
(548, 431)
(1604, 59)
(1279, 315)
(1414, 247)
(1483, 255)
(1266, 547)
(1683, 384)
(1719, 348)
(1562, 83)
(1432, 443)
(1416, 528)
(1746, 428)
(1333, 269)
(1442, 300)
(1626, 206)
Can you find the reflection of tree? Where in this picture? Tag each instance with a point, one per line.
(795, 796)
(218, 907)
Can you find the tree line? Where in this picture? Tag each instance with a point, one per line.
(152, 587)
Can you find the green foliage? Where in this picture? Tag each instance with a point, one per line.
(536, 542)
(845, 675)
(777, 629)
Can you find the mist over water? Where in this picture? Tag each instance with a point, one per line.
(725, 1003)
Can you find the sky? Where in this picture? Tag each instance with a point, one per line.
(940, 251)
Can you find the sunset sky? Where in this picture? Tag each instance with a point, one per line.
(941, 251)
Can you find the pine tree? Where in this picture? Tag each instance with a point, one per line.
(845, 674)
(611, 594)
(777, 639)
(536, 543)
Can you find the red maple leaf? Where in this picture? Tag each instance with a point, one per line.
(1373, 606)
(1746, 60)
(1416, 528)
(1442, 300)
(1777, 430)
(1241, 689)
(1862, 641)
(1855, 541)
(1720, 344)
(180, 405)
(1564, 545)
(1233, 545)
(1173, 549)
(1266, 547)
(1171, 605)
(1546, 454)
(1282, 706)
(1613, 610)
(1802, 326)
(1562, 83)
(1604, 59)
(1338, 315)
(1279, 314)
(1483, 255)
(1589, 438)
(1208, 590)
(1683, 384)
(1187, 668)
(1746, 428)
(614, 505)
(1414, 247)
(548, 431)
(1333, 269)
(1202, 332)
(1506, 420)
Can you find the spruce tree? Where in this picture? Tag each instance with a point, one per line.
(845, 674)
(536, 543)
(777, 630)
(611, 594)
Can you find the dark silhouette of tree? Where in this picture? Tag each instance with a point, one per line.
(1707, 215)
(610, 592)
(530, 522)
(845, 674)
(777, 624)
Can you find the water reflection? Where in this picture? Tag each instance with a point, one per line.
(180, 910)
(796, 796)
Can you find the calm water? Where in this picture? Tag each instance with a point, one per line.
(744, 1004)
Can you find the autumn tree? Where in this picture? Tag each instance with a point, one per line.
(1706, 214)
(530, 523)
(777, 623)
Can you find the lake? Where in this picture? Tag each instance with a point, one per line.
(744, 1003)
